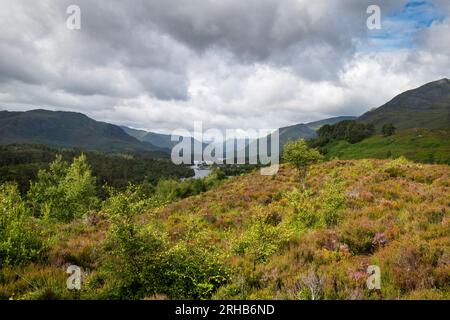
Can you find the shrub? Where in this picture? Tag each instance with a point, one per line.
(359, 235)
(396, 167)
(332, 203)
(20, 239)
(304, 208)
(171, 190)
(298, 154)
(79, 187)
(322, 209)
(262, 239)
(191, 272)
(310, 287)
(141, 261)
(125, 204)
(64, 192)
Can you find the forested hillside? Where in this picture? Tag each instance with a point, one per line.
(60, 129)
(21, 164)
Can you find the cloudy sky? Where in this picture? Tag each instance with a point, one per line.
(163, 64)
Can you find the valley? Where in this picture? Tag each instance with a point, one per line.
(349, 194)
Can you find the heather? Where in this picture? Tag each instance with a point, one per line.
(246, 237)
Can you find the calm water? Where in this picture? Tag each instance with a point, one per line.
(200, 173)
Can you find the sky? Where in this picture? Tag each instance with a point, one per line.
(160, 65)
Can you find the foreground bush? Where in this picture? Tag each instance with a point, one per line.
(64, 192)
(321, 209)
(142, 262)
(300, 156)
(20, 239)
(263, 238)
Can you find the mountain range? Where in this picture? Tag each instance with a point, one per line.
(425, 107)
(67, 130)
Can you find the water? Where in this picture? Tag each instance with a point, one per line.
(200, 173)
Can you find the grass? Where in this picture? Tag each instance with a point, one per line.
(277, 242)
(419, 145)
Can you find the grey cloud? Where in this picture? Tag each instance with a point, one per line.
(234, 63)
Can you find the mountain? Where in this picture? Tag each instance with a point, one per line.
(66, 129)
(425, 107)
(317, 124)
(296, 132)
(159, 140)
(138, 134)
(307, 130)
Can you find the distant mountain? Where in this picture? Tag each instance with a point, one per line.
(317, 124)
(291, 133)
(66, 129)
(425, 107)
(138, 134)
(160, 140)
(296, 132)
(164, 141)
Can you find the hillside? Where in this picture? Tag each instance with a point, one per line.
(422, 145)
(317, 124)
(259, 237)
(295, 132)
(66, 129)
(138, 134)
(159, 140)
(425, 107)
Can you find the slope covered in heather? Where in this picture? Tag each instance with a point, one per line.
(260, 237)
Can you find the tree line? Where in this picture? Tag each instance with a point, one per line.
(21, 163)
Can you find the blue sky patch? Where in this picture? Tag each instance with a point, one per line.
(399, 28)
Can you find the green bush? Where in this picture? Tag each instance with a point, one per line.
(20, 239)
(397, 167)
(64, 192)
(142, 263)
(304, 208)
(262, 239)
(332, 202)
(191, 272)
(312, 210)
(300, 156)
(170, 190)
(358, 235)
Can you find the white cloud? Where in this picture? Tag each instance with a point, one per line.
(160, 66)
